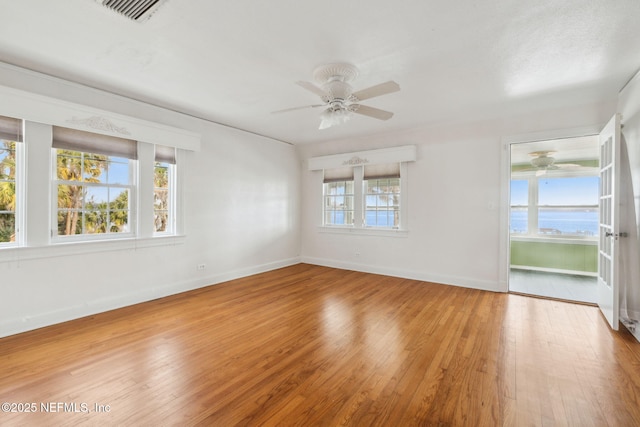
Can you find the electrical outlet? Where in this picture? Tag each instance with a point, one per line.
(202, 266)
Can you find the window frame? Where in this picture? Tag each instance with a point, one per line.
(132, 187)
(34, 219)
(346, 196)
(533, 206)
(389, 208)
(18, 181)
(359, 225)
(171, 227)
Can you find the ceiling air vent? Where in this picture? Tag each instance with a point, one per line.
(138, 10)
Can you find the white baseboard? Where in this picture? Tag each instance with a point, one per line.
(466, 282)
(554, 270)
(64, 314)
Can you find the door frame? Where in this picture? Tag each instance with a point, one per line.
(505, 186)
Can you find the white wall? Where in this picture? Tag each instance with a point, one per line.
(457, 195)
(242, 200)
(629, 106)
(250, 202)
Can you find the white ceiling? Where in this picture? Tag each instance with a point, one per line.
(234, 62)
(562, 150)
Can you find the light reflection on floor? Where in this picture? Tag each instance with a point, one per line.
(377, 334)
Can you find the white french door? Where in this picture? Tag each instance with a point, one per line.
(609, 233)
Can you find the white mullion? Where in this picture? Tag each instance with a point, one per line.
(20, 193)
(532, 211)
(171, 182)
(403, 196)
(358, 202)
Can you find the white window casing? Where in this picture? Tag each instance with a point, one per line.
(359, 167)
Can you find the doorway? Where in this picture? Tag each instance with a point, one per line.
(553, 221)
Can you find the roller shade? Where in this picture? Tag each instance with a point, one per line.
(10, 129)
(165, 154)
(381, 171)
(338, 174)
(88, 142)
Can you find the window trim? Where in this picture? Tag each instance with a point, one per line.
(533, 209)
(359, 225)
(172, 222)
(132, 186)
(19, 181)
(82, 247)
(39, 113)
(365, 205)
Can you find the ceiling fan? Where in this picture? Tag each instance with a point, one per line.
(338, 98)
(542, 161)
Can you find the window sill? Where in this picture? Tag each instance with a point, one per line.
(576, 240)
(75, 248)
(385, 232)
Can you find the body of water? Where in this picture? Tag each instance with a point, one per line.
(558, 221)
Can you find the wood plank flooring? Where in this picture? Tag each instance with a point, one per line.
(315, 346)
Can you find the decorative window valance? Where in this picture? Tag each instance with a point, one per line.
(406, 153)
(43, 109)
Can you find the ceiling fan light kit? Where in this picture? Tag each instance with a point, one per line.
(338, 97)
(541, 159)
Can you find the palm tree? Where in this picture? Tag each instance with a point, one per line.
(119, 213)
(7, 190)
(161, 196)
(81, 167)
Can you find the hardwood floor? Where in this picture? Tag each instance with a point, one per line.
(308, 345)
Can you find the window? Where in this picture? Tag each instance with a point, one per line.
(164, 190)
(519, 206)
(363, 196)
(382, 195)
(555, 206)
(94, 183)
(10, 144)
(568, 206)
(339, 197)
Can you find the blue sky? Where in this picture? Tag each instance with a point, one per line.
(559, 191)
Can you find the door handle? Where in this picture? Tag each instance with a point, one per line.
(616, 235)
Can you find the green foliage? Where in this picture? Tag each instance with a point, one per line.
(76, 214)
(7, 191)
(92, 217)
(161, 196)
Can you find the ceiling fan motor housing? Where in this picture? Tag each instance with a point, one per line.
(337, 91)
(542, 161)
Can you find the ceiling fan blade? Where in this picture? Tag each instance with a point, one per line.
(377, 90)
(286, 110)
(541, 172)
(376, 113)
(312, 88)
(569, 165)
